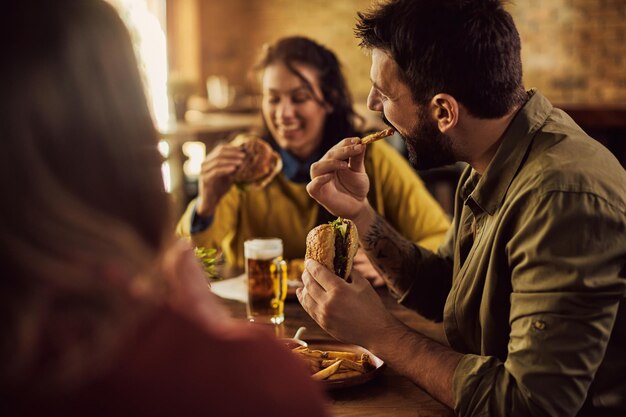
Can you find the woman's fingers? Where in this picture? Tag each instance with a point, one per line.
(226, 149)
(213, 165)
(221, 157)
(224, 171)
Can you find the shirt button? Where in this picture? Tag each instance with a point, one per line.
(539, 325)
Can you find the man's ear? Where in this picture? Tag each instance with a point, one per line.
(445, 111)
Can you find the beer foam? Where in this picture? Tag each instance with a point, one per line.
(263, 248)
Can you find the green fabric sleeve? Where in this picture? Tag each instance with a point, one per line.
(565, 296)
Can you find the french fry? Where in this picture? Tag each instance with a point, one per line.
(377, 136)
(326, 372)
(314, 364)
(355, 366)
(327, 362)
(341, 355)
(342, 375)
(347, 364)
(312, 353)
(335, 364)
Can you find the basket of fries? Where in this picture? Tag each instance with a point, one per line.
(336, 364)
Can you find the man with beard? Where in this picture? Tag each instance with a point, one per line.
(529, 282)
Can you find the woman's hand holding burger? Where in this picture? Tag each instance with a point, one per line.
(247, 160)
(216, 176)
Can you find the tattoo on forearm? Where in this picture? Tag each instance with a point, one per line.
(392, 253)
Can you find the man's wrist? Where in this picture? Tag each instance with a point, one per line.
(364, 219)
(393, 331)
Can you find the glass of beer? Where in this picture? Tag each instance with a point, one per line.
(267, 280)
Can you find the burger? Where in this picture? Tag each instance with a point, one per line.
(334, 246)
(261, 163)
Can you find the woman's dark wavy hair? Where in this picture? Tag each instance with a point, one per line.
(342, 122)
(469, 49)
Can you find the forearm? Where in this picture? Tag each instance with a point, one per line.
(394, 255)
(206, 204)
(416, 277)
(422, 360)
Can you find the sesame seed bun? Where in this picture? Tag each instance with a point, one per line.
(321, 245)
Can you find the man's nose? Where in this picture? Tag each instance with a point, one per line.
(373, 100)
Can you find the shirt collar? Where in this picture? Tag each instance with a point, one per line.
(296, 170)
(494, 183)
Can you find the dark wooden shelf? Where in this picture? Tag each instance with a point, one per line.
(597, 117)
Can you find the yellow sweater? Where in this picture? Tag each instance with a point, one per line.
(285, 210)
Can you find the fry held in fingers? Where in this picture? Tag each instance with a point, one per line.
(377, 136)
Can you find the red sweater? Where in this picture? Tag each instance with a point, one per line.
(175, 367)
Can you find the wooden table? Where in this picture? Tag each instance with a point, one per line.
(389, 394)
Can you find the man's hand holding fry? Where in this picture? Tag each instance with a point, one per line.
(338, 180)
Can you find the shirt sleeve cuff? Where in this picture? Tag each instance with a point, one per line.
(199, 223)
(471, 391)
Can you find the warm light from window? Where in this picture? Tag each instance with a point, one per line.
(145, 20)
(195, 151)
(166, 172)
(164, 148)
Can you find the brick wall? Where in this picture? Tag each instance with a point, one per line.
(573, 50)
(234, 31)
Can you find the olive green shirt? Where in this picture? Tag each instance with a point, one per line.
(532, 274)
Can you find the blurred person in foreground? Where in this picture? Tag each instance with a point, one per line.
(307, 109)
(102, 312)
(530, 281)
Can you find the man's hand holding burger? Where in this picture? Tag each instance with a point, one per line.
(349, 311)
(340, 301)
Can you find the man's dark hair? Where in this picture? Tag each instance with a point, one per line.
(342, 121)
(469, 49)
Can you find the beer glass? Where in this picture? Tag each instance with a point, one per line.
(267, 280)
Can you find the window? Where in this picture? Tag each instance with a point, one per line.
(145, 20)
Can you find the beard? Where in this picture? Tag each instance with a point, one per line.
(427, 146)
